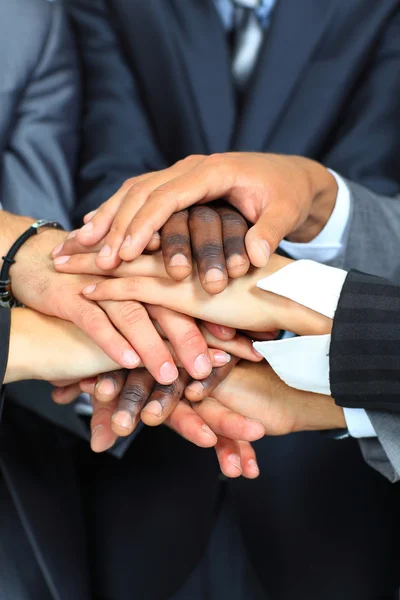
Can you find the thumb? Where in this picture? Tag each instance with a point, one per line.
(266, 235)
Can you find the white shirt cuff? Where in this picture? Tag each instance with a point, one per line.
(358, 423)
(329, 242)
(303, 362)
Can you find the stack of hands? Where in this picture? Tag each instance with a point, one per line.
(165, 336)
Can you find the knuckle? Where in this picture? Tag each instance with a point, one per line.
(214, 159)
(134, 393)
(210, 251)
(206, 214)
(132, 312)
(233, 219)
(92, 316)
(192, 338)
(171, 391)
(193, 158)
(179, 240)
(128, 183)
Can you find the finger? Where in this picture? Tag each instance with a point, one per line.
(206, 237)
(111, 219)
(163, 400)
(87, 385)
(109, 385)
(190, 426)
(139, 195)
(100, 222)
(88, 217)
(85, 263)
(132, 319)
(240, 346)
(89, 317)
(175, 243)
(266, 235)
(66, 394)
(228, 454)
(71, 247)
(197, 390)
(248, 460)
(220, 332)
(225, 422)
(206, 181)
(186, 339)
(134, 395)
(155, 243)
(234, 229)
(102, 437)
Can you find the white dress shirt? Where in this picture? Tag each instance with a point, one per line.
(303, 362)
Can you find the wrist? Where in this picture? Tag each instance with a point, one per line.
(34, 257)
(317, 413)
(21, 355)
(324, 191)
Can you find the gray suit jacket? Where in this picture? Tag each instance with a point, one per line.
(372, 245)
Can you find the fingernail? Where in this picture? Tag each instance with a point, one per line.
(196, 388)
(257, 426)
(154, 408)
(253, 466)
(235, 261)
(214, 275)
(95, 441)
(156, 236)
(261, 252)
(71, 235)
(87, 228)
(234, 459)
(168, 372)
(226, 330)
(106, 386)
(207, 430)
(130, 358)
(257, 353)
(57, 249)
(90, 215)
(105, 251)
(127, 242)
(89, 289)
(202, 365)
(179, 260)
(61, 260)
(123, 419)
(221, 358)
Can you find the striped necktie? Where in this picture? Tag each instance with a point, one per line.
(249, 21)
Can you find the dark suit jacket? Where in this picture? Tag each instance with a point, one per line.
(158, 88)
(39, 108)
(365, 347)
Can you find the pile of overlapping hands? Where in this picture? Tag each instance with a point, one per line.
(176, 322)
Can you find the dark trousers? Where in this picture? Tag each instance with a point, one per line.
(318, 523)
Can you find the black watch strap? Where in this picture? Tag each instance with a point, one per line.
(7, 300)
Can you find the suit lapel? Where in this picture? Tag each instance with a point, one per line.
(296, 29)
(180, 51)
(205, 53)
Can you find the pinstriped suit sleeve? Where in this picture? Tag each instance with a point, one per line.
(365, 364)
(365, 345)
